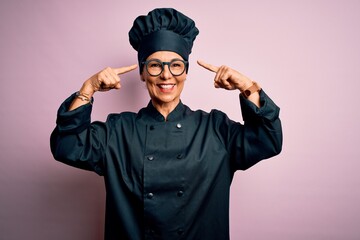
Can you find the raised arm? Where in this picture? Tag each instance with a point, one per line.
(230, 79)
(105, 80)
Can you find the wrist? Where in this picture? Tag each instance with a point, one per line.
(245, 84)
(87, 90)
(254, 87)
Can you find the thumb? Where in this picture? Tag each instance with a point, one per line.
(208, 66)
(126, 69)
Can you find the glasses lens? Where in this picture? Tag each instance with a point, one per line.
(154, 67)
(177, 67)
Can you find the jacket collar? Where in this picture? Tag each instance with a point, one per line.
(151, 112)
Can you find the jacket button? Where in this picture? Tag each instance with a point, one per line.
(150, 195)
(180, 193)
(179, 156)
(152, 127)
(178, 125)
(150, 158)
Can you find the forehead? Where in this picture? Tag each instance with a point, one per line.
(164, 55)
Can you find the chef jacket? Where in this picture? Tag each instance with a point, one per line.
(167, 179)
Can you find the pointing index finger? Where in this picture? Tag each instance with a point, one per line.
(208, 66)
(126, 69)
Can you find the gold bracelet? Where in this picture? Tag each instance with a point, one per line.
(82, 96)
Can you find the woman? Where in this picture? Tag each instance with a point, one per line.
(167, 169)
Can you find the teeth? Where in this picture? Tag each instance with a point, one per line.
(166, 86)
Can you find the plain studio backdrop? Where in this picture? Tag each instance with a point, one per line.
(304, 53)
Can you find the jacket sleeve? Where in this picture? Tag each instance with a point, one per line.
(77, 142)
(260, 137)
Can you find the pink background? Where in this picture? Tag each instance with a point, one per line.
(304, 53)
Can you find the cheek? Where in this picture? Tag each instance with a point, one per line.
(150, 85)
(182, 80)
(181, 86)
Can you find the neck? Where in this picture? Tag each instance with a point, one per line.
(165, 108)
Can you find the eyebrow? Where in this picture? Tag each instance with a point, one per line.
(156, 59)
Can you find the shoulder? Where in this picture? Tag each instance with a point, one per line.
(115, 118)
(213, 115)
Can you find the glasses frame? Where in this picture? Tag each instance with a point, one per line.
(163, 66)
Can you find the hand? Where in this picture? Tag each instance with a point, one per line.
(227, 78)
(105, 80)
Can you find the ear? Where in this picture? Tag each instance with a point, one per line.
(142, 78)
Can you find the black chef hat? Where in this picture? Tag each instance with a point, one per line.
(163, 29)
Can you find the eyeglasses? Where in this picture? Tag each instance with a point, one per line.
(155, 67)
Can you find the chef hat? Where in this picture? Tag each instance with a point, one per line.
(163, 29)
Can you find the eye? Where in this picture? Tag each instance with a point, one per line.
(177, 64)
(154, 65)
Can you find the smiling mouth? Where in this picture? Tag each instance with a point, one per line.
(166, 86)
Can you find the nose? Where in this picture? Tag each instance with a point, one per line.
(166, 74)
